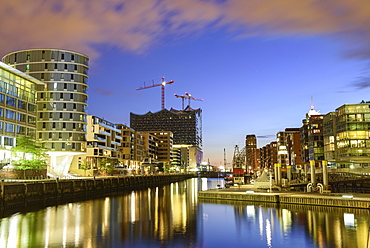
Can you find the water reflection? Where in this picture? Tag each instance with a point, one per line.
(172, 216)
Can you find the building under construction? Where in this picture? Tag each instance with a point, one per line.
(186, 126)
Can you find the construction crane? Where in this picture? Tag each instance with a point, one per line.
(190, 97)
(187, 96)
(154, 84)
(182, 99)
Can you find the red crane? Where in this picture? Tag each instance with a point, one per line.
(187, 96)
(182, 98)
(190, 97)
(162, 84)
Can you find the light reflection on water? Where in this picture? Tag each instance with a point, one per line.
(172, 216)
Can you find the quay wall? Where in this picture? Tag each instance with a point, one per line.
(20, 195)
(357, 201)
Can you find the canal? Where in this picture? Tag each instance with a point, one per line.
(173, 216)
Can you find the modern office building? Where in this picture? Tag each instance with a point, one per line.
(346, 136)
(18, 110)
(186, 126)
(61, 101)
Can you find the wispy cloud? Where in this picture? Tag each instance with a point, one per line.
(103, 92)
(136, 25)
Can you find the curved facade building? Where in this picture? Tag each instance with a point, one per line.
(62, 101)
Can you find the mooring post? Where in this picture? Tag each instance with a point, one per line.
(313, 176)
(325, 174)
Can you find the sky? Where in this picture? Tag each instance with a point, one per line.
(258, 64)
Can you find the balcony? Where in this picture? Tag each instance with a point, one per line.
(104, 132)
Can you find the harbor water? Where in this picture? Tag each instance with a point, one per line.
(173, 216)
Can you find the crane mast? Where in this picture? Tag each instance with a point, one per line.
(162, 84)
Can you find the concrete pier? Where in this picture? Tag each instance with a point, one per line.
(317, 199)
(23, 194)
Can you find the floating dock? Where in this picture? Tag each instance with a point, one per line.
(347, 200)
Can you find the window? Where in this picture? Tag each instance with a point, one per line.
(60, 115)
(44, 125)
(61, 95)
(54, 124)
(55, 66)
(42, 76)
(50, 135)
(27, 67)
(1, 112)
(62, 56)
(65, 66)
(40, 135)
(31, 108)
(71, 96)
(64, 125)
(10, 114)
(2, 97)
(46, 66)
(72, 57)
(9, 128)
(41, 114)
(64, 105)
(10, 101)
(65, 86)
(21, 117)
(28, 57)
(72, 76)
(70, 116)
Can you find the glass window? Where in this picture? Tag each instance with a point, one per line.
(10, 114)
(22, 104)
(9, 128)
(8, 141)
(10, 101)
(2, 97)
(32, 108)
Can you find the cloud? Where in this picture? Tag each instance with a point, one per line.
(103, 92)
(266, 136)
(137, 25)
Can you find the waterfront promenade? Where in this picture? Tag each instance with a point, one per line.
(25, 194)
(249, 193)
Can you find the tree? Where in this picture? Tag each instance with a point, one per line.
(105, 165)
(30, 155)
(85, 165)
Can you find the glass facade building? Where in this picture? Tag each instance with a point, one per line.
(18, 111)
(347, 136)
(62, 99)
(186, 125)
